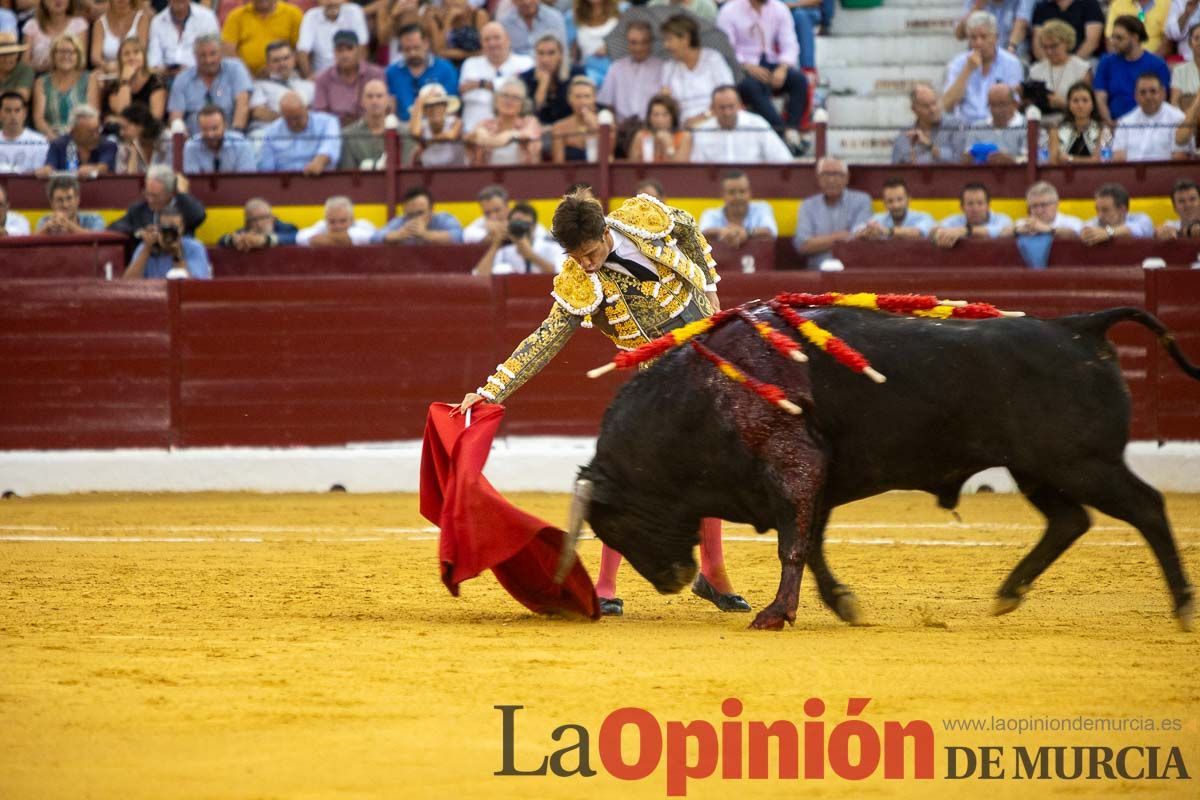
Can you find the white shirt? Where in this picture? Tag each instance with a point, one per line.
(360, 232)
(509, 261)
(629, 85)
(1140, 225)
(475, 232)
(1178, 33)
(25, 153)
(1061, 220)
(693, 88)
(15, 224)
(268, 91)
(1149, 144)
(624, 247)
(752, 141)
(477, 103)
(169, 46)
(317, 30)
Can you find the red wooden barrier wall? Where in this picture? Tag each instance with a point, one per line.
(329, 360)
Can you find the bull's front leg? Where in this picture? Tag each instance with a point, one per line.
(802, 494)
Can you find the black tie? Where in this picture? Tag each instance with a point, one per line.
(637, 270)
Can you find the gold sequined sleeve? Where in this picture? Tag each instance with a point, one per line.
(692, 244)
(531, 355)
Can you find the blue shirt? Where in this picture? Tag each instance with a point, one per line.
(523, 38)
(62, 149)
(996, 223)
(404, 87)
(88, 220)
(818, 218)
(236, 155)
(913, 219)
(285, 150)
(1119, 77)
(194, 254)
(439, 221)
(8, 22)
(973, 107)
(189, 93)
(758, 215)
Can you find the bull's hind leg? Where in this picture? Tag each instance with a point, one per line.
(834, 594)
(1066, 521)
(1114, 490)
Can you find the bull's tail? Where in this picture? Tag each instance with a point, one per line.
(1099, 323)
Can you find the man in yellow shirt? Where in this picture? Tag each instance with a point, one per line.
(249, 29)
(1152, 13)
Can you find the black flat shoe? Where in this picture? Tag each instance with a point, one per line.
(612, 606)
(725, 602)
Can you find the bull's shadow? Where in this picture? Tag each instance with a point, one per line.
(1044, 398)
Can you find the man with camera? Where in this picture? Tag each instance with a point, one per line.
(165, 252)
(522, 247)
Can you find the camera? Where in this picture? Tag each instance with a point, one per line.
(169, 234)
(519, 228)
(1036, 93)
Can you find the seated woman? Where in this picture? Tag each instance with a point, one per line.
(513, 135)
(434, 123)
(577, 137)
(546, 82)
(592, 20)
(62, 88)
(134, 83)
(1185, 77)
(121, 20)
(143, 141)
(52, 19)
(1059, 69)
(692, 72)
(662, 140)
(1082, 136)
(455, 28)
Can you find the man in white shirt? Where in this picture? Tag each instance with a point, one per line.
(282, 78)
(970, 74)
(339, 228)
(173, 31)
(522, 247)
(1044, 217)
(22, 150)
(314, 48)
(480, 75)
(1114, 219)
(1147, 133)
(1005, 130)
(493, 202)
(11, 224)
(735, 136)
(632, 81)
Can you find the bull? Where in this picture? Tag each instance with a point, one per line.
(1043, 398)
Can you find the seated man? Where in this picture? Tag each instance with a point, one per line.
(898, 221)
(493, 202)
(934, 138)
(339, 228)
(65, 217)
(262, 229)
(215, 148)
(22, 149)
(653, 188)
(1147, 133)
(159, 191)
(80, 149)
(362, 143)
(830, 216)
(977, 220)
(632, 81)
(250, 28)
(214, 81)
(419, 224)
(300, 140)
(338, 89)
(282, 77)
(318, 27)
(11, 223)
(526, 21)
(734, 136)
(174, 31)
(417, 68)
(970, 74)
(1044, 217)
(166, 251)
(1117, 73)
(1185, 199)
(522, 247)
(1114, 219)
(740, 218)
(1003, 136)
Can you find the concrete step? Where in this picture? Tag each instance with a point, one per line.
(859, 146)
(892, 80)
(888, 21)
(891, 110)
(855, 51)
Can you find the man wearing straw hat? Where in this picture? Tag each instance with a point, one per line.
(15, 75)
(640, 272)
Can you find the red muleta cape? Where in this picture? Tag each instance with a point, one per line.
(481, 530)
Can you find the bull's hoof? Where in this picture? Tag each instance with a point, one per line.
(725, 602)
(1186, 614)
(770, 620)
(1004, 605)
(846, 608)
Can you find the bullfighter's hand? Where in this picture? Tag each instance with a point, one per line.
(468, 401)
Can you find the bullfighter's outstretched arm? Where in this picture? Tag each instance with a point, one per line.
(535, 352)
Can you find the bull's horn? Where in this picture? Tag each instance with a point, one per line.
(580, 501)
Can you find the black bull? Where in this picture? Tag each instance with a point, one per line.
(1044, 398)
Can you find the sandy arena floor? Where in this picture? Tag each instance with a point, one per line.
(249, 646)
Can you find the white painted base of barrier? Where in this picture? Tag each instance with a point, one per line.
(530, 463)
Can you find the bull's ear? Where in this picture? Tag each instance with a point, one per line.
(601, 490)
